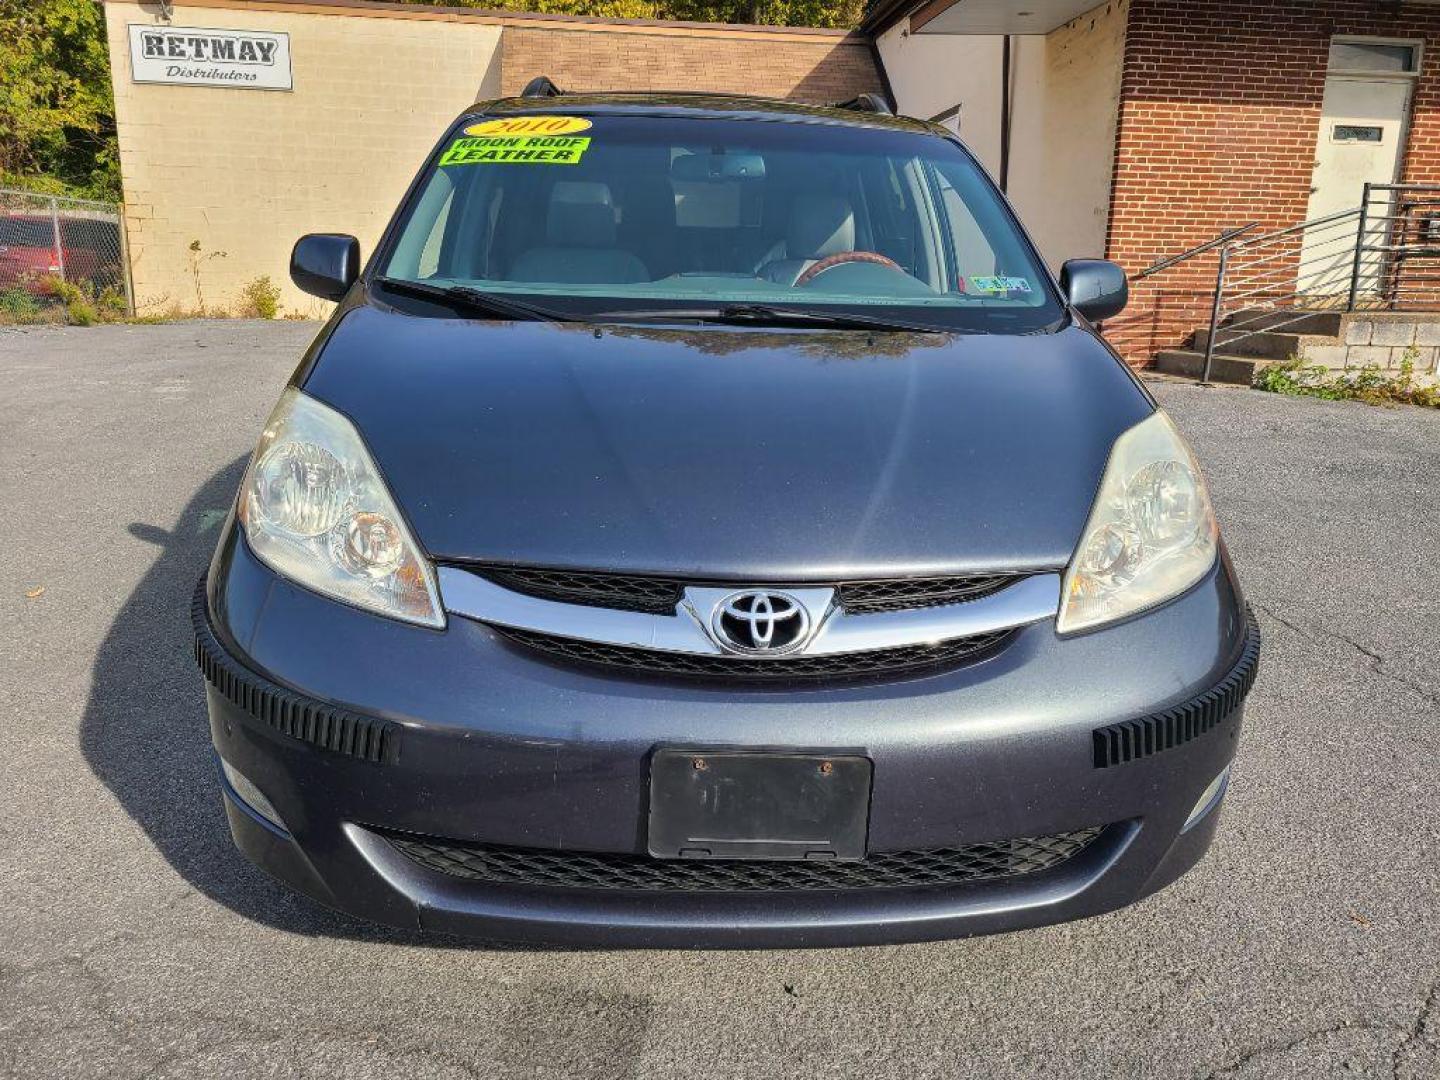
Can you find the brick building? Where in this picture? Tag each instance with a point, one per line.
(220, 177)
(1141, 128)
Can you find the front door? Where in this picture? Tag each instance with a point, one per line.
(1363, 125)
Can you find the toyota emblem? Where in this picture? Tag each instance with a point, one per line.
(760, 621)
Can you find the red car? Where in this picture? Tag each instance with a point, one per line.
(89, 250)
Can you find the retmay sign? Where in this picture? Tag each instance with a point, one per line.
(196, 56)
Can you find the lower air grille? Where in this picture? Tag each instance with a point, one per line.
(1154, 734)
(906, 594)
(549, 868)
(858, 665)
(659, 595)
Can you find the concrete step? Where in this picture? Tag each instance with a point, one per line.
(1264, 345)
(1225, 368)
(1290, 321)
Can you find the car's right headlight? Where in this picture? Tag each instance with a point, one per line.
(1151, 534)
(315, 509)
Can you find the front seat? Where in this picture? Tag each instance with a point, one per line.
(580, 246)
(818, 228)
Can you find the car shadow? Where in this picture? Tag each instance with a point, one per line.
(146, 736)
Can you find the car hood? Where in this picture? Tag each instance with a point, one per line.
(731, 452)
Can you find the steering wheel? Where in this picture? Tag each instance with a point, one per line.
(816, 269)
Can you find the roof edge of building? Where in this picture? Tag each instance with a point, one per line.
(386, 9)
(884, 15)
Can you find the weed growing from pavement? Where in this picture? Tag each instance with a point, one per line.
(19, 305)
(260, 299)
(1371, 384)
(52, 299)
(199, 257)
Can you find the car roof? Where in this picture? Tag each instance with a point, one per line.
(698, 104)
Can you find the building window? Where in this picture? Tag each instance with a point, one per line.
(1360, 56)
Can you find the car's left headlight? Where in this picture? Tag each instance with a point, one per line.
(315, 509)
(1151, 534)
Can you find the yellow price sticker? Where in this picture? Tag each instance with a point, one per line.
(516, 150)
(530, 125)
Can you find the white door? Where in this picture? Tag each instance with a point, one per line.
(1361, 140)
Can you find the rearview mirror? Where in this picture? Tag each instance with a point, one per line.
(716, 168)
(325, 264)
(1095, 288)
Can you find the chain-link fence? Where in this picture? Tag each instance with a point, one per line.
(59, 251)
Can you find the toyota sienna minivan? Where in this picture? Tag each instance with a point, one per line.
(704, 521)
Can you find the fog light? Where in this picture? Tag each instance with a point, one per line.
(250, 795)
(1209, 798)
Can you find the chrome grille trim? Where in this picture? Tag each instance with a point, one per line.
(791, 669)
(658, 594)
(1030, 600)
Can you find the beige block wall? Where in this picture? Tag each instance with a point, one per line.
(1064, 111)
(245, 172)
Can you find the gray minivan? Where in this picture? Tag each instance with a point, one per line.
(706, 522)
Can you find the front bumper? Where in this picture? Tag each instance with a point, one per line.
(362, 731)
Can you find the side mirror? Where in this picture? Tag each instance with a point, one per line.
(1095, 288)
(325, 264)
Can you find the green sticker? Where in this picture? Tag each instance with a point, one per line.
(1000, 284)
(516, 150)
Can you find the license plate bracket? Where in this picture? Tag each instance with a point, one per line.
(758, 805)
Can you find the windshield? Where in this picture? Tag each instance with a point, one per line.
(604, 214)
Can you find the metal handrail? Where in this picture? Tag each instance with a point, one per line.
(1404, 187)
(1386, 243)
(1120, 327)
(1268, 277)
(1279, 234)
(1200, 249)
(1388, 246)
(1288, 269)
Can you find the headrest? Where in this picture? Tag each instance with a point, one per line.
(581, 215)
(819, 226)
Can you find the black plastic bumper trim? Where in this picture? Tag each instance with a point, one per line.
(1132, 740)
(325, 726)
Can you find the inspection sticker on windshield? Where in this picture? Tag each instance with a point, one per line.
(521, 140)
(1000, 284)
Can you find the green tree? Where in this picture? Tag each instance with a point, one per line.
(57, 113)
(842, 14)
(827, 13)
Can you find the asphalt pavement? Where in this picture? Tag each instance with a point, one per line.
(135, 941)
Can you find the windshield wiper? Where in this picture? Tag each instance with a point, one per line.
(771, 315)
(839, 320)
(754, 314)
(474, 300)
